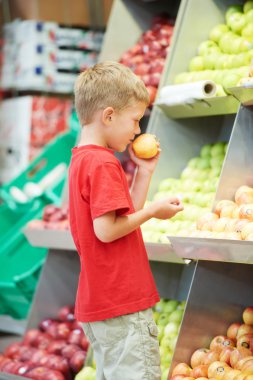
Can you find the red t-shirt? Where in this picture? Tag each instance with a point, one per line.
(115, 278)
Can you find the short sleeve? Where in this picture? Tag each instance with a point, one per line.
(107, 191)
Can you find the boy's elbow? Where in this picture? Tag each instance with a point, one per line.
(103, 236)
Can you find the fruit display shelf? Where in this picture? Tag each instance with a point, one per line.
(244, 94)
(219, 105)
(62, 240)
(193, 248)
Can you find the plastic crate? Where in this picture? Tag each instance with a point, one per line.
(21, 263)
(20, 266)
(15, 215)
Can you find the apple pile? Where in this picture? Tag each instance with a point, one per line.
(228, 357)
(56, 350)
(230, 219)
(168, 315)
(196, 187)
(147, 57)
(53, 218)
(225, 57)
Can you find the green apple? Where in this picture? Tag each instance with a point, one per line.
(245, 45)
(193, 162)
(171, 328)
(181, 78)
(217, 161)
(217, 149)
(233, 9)
(227, 41)
(163, 319)
(217, 32)
(236, 21)
(87, 373)
(205, 151)
(204, 163)
(196, 64)
(230, 80)
(160, 332)
(206, 46)
(170, 306)
(247, 32)
(249, 16)
(209, 60)
(173, 342)
(247, 6)
(176, 316)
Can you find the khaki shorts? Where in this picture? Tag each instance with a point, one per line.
(126, 347)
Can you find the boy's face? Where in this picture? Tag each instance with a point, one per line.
(124, 126)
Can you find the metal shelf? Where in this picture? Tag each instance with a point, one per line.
(219, 105)
(234, 251)
(62, 240)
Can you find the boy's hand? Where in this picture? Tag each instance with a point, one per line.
(147, 164)
(166, 208)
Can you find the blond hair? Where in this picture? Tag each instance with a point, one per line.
(107, 84)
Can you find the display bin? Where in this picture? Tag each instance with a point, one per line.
(186, 40)
(128, 20)
(218, 295)
(236, 172)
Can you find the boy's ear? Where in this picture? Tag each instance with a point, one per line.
(107, 115)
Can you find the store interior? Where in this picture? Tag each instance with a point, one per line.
(195, 58)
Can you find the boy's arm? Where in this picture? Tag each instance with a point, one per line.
(110, 227)
(140, 186)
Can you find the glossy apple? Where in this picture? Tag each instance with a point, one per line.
(248, 315)
(198, 357)
(236, 21)
(233, 330)
(182, 369)
(200, 371)
(238, 354)
(221, 341)
(210, 357)
(226, 353)
(244, 341)
(217, 32)
(244, 329)
(217, 370)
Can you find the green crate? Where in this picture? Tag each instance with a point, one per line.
(20, 266)
(21, 263)
(13, 215)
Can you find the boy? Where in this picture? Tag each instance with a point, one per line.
(116, 288)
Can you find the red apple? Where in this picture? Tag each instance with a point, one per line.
(76, 336)
(77, 361)
(69, 350)
(182, 369)
(31, 337)
(66, 313)
(200, 371)
(56, 346)
(238, 354)
(226, 353)
(248, 315)
(12, 350)
(210, 357)
(177, 377)
(232, 330)
(244, 341)
(85, 343)
(198, 357)
(244, 329)
(221, 341)
(217, 370)
(63, 330)
(43, 373)
(46, 323)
